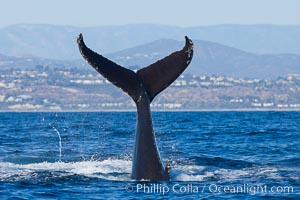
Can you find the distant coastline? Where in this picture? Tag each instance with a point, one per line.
(79, 90)
(256, 72)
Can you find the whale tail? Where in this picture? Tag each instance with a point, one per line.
(153, 79)
(143, 86)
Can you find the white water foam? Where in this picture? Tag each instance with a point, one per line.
(197, 173)
(120, 170)
(110, 169)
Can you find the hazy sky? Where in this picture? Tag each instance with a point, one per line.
(168, 12)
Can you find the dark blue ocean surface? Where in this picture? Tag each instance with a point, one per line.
(214, 155)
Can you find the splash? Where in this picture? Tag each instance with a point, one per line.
(116, 169)
(109, 169)
(59, 137)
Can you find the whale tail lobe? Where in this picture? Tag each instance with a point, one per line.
(153, 79)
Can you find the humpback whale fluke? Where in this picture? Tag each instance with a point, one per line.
(142, 87)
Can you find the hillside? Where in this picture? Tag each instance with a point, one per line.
(212, 58)
(50, 89)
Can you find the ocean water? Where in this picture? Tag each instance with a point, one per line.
(213, 155)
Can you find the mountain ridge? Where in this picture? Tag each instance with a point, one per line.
(213, 59)
(209, 59)
(59, 42)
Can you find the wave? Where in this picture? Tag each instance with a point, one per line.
(222, 174)
(110, 169)
(223, 162)
(113, 169)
